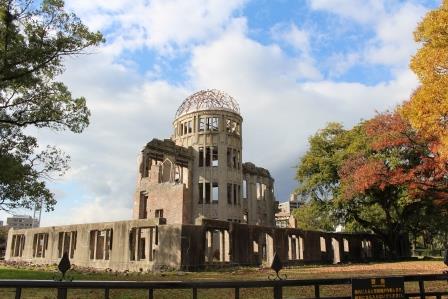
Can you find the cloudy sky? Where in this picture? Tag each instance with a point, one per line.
(293, 66)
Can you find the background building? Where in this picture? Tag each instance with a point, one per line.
(22, 221)
(284, 215)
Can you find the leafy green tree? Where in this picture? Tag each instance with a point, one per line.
(317, 172)
(318, 177)
(315, 215)
(35, 37)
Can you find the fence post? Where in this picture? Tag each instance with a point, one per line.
(195, 293)
(278, 292)
(421, 287)
(237, 293)
(151, 293)
(18, 293)
(316, 291)
(106, 293)
(62, 293)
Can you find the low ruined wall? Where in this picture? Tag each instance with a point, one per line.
(144, 245)
(252, 245)
(165, 246)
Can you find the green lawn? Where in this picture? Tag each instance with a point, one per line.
(304, 272)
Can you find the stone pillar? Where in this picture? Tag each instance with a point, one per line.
(336, 253)
(269, 249)
(148, 244)
(290, 247)
(209, 245)
(296, 247)
(95, 243)
(221, 246)
(226, 246)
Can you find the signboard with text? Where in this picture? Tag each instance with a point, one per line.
(378, 288)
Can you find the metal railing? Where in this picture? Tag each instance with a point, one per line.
(277, 286)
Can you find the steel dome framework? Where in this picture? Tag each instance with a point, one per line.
(210, 99)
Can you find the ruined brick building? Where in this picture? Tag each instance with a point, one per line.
(200, 169)
(196, 205)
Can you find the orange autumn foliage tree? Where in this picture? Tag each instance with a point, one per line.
(427, 110)
(401, 157)
(399, 175)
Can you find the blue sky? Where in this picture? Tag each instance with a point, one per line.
(292, 65)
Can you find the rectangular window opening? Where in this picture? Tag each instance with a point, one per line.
(201, 157)
(40, 244)
(142, 212)
(207, 192)
(17, 245)
(158, 213)
(190, 127)
(201, 126)
(214, 124)
(235, 194)
(238, 159)
(215, 192)
(234, 158)
(67, 243)
(207, 156)
(228, 126)
(201, 192)
(215, 156)
(239, 195)
(100, 244)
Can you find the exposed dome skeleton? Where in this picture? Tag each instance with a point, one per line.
(209, 99)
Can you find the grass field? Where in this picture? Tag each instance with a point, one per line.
(304, 272)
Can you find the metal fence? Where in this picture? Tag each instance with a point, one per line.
(277, 286)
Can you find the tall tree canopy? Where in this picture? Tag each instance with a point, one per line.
(398, 177)
(378, 175)
(35, 36)
(427, 109)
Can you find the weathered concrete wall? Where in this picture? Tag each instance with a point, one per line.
(193, 247)
(169, 253)
(171, 198)
(167, 248)
(164, 182)
(140, 245)
(255, 245)
(259, 203)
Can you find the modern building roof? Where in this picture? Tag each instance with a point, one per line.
(209, 99)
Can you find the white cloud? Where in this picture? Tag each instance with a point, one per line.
(362, 11)
(339, 63)
(393, 43)
(161, 24)
(392, 23)
(299, 39)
